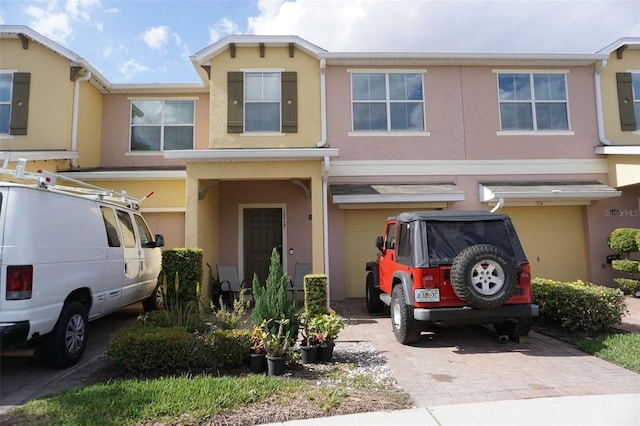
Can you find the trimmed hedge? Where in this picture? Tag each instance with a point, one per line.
(141, 348)
(187, 263)
(578, 306)
(624, 240)
(315, 295)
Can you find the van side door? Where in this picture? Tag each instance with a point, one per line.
(150, 258)
(131, 254)
(109, 297)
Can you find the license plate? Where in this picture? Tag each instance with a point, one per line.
(427, 295)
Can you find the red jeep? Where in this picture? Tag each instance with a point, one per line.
(451, 267)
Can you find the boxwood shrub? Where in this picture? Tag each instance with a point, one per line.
(142, 349)
(578, 305)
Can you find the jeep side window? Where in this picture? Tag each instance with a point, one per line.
(404, 249)
(111, 226)
(146, 240)
(390, 244)
(127, 229)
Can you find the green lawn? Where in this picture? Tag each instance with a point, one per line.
(621, 349)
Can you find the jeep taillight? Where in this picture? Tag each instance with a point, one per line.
(524, 276)
(428, 281)
(19, 282)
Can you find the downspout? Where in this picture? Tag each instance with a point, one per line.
(74, 117)
(325, 173)
(599, 115)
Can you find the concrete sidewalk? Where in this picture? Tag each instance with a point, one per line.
(590, 410)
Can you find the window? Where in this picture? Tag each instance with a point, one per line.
(6, 84)
(111, 226)
(128, 234)
(146, 240)
(535, 102)
(262, 102)
(14, 102)
(162, 125)
(387, 102)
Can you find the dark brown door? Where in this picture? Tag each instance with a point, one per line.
(262, 232)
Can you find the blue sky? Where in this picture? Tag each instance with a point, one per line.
(147, 41)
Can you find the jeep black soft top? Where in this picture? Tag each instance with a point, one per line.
(441, 235)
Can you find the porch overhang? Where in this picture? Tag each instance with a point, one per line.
(361, 195)
(545, 193)
(260, 154)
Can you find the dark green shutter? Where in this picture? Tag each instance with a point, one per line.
(625, 101)
(235, 101)
(20, 103)
(289, 102)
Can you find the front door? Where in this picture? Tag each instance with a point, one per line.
(262, 230)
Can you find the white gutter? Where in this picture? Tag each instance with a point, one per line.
(323, 103)
(74, 117)
(599, 116)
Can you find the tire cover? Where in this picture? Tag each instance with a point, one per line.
(483, 276)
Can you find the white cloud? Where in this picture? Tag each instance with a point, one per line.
(451, 25)
(223, 28)
(156, 37)
(131, 68)
(53, 21)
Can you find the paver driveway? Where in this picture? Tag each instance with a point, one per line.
(467, 364)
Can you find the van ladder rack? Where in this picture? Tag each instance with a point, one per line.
(47, 181)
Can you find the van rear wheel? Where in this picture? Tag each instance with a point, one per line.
(64, 346)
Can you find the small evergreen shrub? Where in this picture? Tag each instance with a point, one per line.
(271, 301)
(628, 285)
(578, 306)
(223, 348)
(624, 240)
(140, 349)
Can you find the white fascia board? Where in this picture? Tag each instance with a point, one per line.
(620, 149)
(38, 155)
(240, 154)
(398, 198)
(128, 175)
(487, 194)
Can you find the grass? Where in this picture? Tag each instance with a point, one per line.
(206, 399)
(622, 349)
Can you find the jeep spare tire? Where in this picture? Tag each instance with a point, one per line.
(483, 276)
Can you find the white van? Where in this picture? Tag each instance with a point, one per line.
(67, 256)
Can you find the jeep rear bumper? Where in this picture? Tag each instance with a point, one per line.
(467, 314)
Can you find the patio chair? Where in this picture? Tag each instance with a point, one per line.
(301, 270)
(230, 282)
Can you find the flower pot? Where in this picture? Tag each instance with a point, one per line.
(325, 352)
(257, 363)
(276, 365)
(309, 354)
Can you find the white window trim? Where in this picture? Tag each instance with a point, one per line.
(246, 71)
(9, 136)
(534, 132)
(131, 99)
(389, 132)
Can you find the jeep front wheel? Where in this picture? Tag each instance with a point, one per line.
(374, 304)
(483, 276)
(405, 327)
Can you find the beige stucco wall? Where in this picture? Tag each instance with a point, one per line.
(89, 134)
(50, 97)
(248, 58)
(630, 62)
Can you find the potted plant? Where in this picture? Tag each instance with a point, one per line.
(310, 342)
(257, 355)
(328, 328)
(277, 346)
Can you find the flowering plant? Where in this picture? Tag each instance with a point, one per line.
(257, 337)
(277, 344)
(327, 326)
